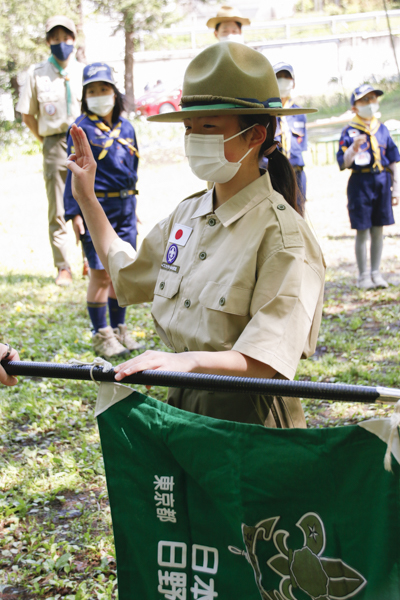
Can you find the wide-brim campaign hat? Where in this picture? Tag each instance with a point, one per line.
(60, 21)
(98, 71)
(227, 13)
(229, 79)
(362, 91)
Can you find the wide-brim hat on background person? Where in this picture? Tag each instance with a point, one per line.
(229, 79)
(227, 13)
(362, 91)
(98, 71)
(61, 21)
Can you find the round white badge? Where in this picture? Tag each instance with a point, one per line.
(50, 109)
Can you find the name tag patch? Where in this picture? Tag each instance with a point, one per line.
(180, 234)
(167, 267)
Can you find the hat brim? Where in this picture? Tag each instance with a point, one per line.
(180, 115)
(377, 92)
(212, 23)
(95, 78)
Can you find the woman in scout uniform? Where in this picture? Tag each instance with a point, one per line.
(291, 130)
(367, 148)
(113, 142)
(234, 273)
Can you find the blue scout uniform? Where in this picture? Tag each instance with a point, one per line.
(116, 154)
(369, 188)
(292, 134)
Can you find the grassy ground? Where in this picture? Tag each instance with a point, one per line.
(55, 530)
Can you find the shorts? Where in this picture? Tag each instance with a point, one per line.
(370, 200)
(121, 212)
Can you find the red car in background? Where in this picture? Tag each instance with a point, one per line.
(156, 102)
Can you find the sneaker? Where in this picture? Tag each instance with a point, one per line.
(64, 277)
(378, 280)
(124, 337)
(365, 282)
(85, 268)
(105, 344)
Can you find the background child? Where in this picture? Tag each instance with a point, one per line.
(113, 142)
(367, 148)
(291, 130)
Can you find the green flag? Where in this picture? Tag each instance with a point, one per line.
(205, 509)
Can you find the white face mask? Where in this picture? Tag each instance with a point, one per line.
(207, 157)
(232, 37)
(101, 105)
(285, 86)
(367, 111)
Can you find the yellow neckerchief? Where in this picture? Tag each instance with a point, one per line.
(286, 137)
(370, 130)
(113, 135)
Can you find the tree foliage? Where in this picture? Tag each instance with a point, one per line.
(135, 17)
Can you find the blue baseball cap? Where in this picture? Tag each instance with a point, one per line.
(97, 72)
(282, 66)
(362, 91)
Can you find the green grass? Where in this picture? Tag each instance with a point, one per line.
(55, 529)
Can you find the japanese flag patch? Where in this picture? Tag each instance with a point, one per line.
(180, 234)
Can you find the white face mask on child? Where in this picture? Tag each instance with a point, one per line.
(367, 111)
(101, 105)
(207, 157)
(285, 86)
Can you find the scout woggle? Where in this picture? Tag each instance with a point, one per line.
(207, 157)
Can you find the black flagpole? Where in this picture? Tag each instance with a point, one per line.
(338, 392)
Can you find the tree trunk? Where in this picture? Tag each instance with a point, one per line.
(81, 47)
(129, 62)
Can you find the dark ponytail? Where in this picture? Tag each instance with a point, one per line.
(283, 178)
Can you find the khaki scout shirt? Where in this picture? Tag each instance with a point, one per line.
(249, 278)
(44, 96)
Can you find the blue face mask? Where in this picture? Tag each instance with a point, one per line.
(62, 50)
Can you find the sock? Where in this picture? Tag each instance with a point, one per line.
(376, 247)
(98, 315)
(361, 249)
(117, 314)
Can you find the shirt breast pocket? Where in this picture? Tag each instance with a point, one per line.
(226, 312)
(166, 294)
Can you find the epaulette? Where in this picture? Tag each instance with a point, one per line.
(195, 195)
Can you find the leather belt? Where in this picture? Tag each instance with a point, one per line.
(121, 194)
(370, 170)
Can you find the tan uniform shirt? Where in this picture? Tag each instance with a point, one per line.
(44, 96)
(250, 277)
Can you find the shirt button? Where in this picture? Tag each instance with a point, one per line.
(162, 285)
(281, 207)
(186, 349)
(187, 303)
(222, 301)
(203, 255)
(212, 222)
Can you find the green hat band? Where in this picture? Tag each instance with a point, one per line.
(271, 103)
